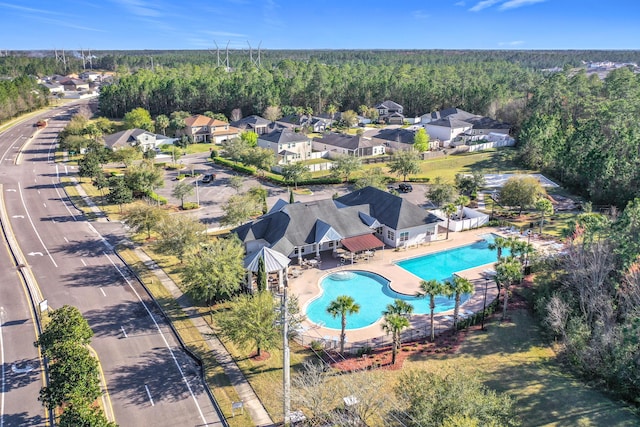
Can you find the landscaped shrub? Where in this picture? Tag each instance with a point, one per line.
(190, 205)
(157, 198)
(316, 345)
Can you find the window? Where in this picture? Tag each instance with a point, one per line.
(391, 235)
(295, 251)
(331, 244)
(379, 231)
(404, 236)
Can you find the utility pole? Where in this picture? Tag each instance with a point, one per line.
(286, 362)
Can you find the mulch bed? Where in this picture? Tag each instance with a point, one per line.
(264, 355)
(445, 343)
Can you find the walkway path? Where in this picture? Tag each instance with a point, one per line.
(251, 402)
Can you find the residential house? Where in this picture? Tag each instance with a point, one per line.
(255, 124)
(453, 125)
(340, 144)
(136, 138)
(289, 146)
(205, 129)
(54, 88)
(365, 219)
(300, 122)
(390, 112)
(74, 85)
(395, 139)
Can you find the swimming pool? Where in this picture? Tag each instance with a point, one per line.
(372, 292)
(442, 265)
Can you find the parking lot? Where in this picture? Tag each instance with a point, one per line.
(212, 196)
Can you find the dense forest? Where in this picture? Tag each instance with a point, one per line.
(43, 62)
(479, 87)
(586, 133)
(20, 95)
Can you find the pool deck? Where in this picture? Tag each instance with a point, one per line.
(307, 286)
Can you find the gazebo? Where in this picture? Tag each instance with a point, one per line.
(274, 262)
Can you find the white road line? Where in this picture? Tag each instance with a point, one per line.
(125, 334)
(24, 205)
(82, 261)
(102, 290)
(64, 199)
(10, 147)
(44, 204)
(149, 394)
(67, 240)
(166, 343)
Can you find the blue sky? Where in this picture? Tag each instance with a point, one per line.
(319, 24)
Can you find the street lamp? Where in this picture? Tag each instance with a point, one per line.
(484, 303)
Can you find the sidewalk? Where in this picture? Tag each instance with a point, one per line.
(252, 404)
(250, 400)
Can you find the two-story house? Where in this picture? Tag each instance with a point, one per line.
(207, 130)
(453, 124)
(289, 146)
(390, 112)
(255, 124)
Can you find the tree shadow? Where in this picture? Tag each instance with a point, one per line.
(22, 419)
(21, 373)
(155, 371)
(130, 317)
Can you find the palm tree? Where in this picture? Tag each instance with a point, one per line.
(508, 272)
(431, 288)
(400, 307)
(394, 323)
(462, 201)
(457, 287)
(449, 209)
(499, 243)
(341, 306)
(545, 207)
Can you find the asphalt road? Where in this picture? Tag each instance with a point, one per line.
(150, 380)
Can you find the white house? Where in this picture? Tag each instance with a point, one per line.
(289, 146)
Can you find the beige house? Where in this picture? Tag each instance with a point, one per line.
(207, 130)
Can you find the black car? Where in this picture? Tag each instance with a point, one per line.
(207, 179)
(405, 188)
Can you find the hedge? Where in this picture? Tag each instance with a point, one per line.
(157, 198)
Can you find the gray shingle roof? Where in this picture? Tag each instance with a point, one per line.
(252, 121)
(397, 135)
(388, 209)
(450, 122)
(125, 138)
(284, 136)
(350, 142)
(390, 105)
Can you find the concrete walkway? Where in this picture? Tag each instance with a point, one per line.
(252, 404)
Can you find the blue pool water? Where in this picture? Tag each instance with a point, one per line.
(442, 265)
(373, 294)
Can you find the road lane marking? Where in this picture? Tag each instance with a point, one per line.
(123, 332)
(24, 205)
(83, 263)
(166, 343)
(149, 394)
(102, 290)
(67, 240)
(64, 199)
(44, 204)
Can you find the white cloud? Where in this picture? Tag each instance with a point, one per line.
(512, 4)
(511, 43)
(420, 14)
(460, 3)
(28, 9)
(139, 7)
(483, 5)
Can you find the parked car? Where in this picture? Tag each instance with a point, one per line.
(405, 188)
(208, 178)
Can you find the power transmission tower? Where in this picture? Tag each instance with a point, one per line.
(217, 53)
(90, 60)
(227, 58)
